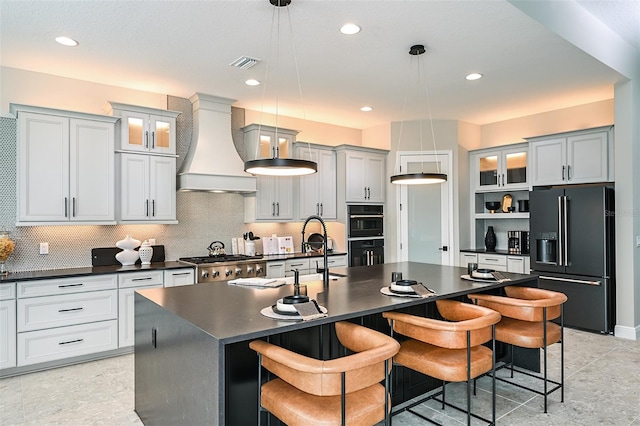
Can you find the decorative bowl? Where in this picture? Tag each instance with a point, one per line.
(483, 273)
(403, 286)
(492, 206)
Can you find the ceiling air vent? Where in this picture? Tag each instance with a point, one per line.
(244, 62)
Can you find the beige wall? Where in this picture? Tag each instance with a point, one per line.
(563, 120)
(45, 90)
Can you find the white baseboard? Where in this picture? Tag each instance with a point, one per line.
(631, 333)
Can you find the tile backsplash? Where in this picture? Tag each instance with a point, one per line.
(203, 217)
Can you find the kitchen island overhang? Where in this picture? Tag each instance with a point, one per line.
(184, 336)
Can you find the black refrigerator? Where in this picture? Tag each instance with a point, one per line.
(572, 250)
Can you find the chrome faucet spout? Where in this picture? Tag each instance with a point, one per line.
(325, 272)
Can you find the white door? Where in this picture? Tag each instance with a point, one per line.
(426, 231)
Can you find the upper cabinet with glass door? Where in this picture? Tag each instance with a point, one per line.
(267, 142)
(145, 129)
(500, 169)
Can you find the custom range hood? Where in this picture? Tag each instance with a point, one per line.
(212, 162)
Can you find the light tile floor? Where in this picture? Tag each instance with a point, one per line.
(602, 378)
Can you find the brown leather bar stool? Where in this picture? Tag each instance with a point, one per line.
(451, 350)
(340, 391)
(526, 322)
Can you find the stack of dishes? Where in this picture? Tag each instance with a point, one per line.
(403, 286)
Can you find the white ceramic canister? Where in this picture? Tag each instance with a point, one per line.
(146, 253)
(250, 248)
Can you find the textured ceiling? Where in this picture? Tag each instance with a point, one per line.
(182, 47)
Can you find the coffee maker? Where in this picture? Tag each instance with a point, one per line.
(518, 242)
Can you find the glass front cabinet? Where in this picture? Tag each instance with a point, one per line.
(500, 169)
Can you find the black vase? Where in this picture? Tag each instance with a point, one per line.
(490, 239)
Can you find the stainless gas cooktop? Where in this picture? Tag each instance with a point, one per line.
(227, 267)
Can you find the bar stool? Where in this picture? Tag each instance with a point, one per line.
(340, 391)
(526, 322)
(451, 350)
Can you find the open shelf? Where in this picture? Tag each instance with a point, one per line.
(499, 216)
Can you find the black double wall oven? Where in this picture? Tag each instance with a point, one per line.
(365, 234)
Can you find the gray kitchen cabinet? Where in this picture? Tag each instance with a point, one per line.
(66, 317)
(497, 262)
(275, 269)
(272, 202)
(147, 188)
(500, 169)
(262, 141)
(145, 129)
(361, 174)
(66, 172)
(317, 192)
(7, 325)
(301, 264)
(518, 264)
(570, 158)
(333, 261)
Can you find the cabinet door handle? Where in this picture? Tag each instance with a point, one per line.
(153, 208)
(71, 341)
(273, 209)
(70, 285)
(146, 139)
(147, 208)
(278, 208)
(562, 172)
(317, 208)
(153, 140)
(66, 207)
(73, 209)
(321, 210)
(569, 172)
(71, 310)
(488, 259)
(503, 179)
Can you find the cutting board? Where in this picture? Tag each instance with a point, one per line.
(106, 256)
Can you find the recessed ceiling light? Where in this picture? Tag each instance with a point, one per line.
(252, 82)
(474, 76)
(350, 29)
(366, 109)
(66, 41)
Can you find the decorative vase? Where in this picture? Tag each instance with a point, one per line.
(128, 255)
(146, 253)
(490, 239)
(6, 248)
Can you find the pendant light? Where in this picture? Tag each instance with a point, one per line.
(422, 177)
(280, 166)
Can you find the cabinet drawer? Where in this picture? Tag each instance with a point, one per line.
(65, 342)
(516, 264)
(496, 259)
(58, 311)
(7, 291)
(466, 258)
(177, 277)
(139, 279)
(66, 285)
(300, 264)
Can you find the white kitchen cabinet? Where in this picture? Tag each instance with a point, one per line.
(500, 169)
(466, 258)
(145, 129)
(66, 317)
(518, 264)
(317, 192)
(272, 202)
(147, 188)
(179, 277)
(496, 262)
(267, 142)
(7, 325)
(127, 285)
(301, 264)
(571, 158)
(333, 261)
(361, 174)
(66, 172)
(275, 269)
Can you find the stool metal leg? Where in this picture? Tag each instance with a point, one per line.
(468, 378)
(544, 348)
(259, 389)
(493, 374)
(562, 353)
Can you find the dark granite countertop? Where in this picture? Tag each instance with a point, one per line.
(89, 270)
(299, 255)
(232, 314)
(485, 251)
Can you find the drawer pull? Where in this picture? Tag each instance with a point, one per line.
(142, 279)
(297, 264)
(71, 341)
(180, 273)
(488, 259)
(70, 310)
(70, 285)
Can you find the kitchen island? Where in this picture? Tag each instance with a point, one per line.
(192, 362)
